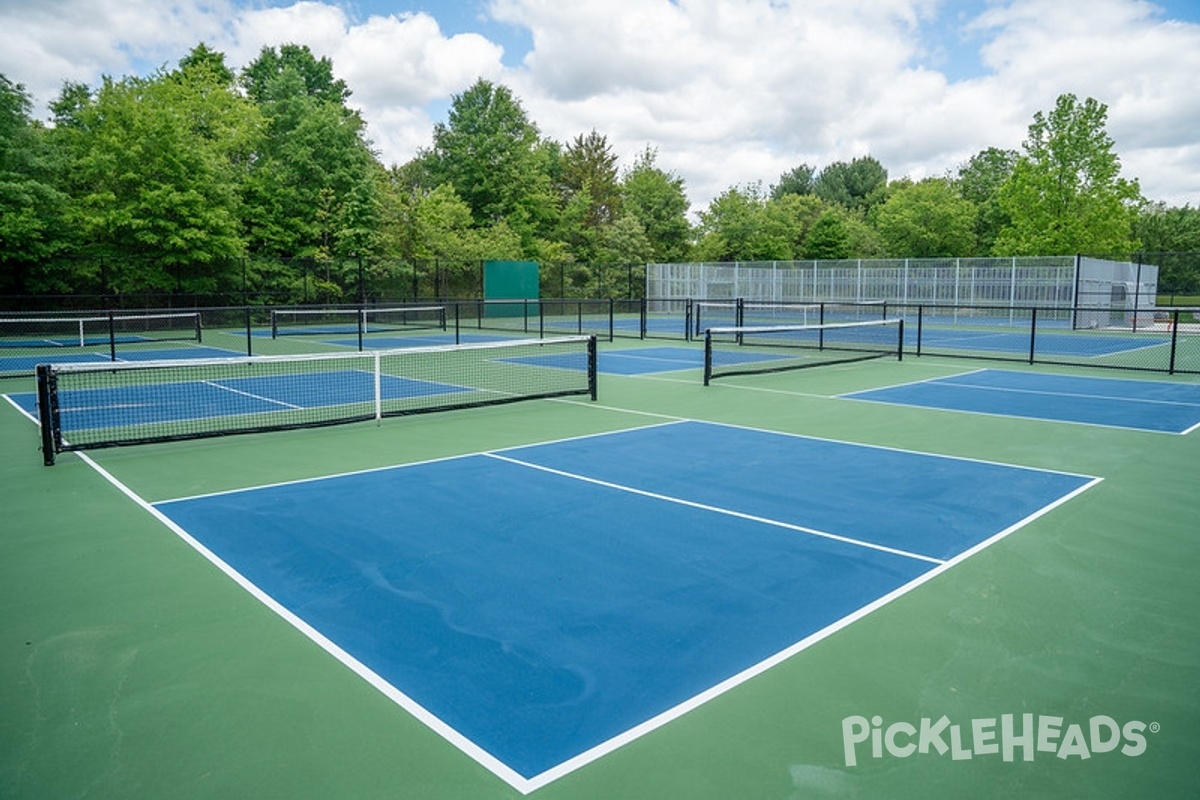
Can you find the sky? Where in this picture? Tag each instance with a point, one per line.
(728, 93)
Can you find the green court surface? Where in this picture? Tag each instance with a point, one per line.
(132, 667)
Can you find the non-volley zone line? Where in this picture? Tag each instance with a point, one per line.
(1155, 406)
(543, 605)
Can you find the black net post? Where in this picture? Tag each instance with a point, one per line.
(249, 338)
(112, 337)
(592, 370)
(47, 413)
(1174, 340)
(920, 326)
(707, 357)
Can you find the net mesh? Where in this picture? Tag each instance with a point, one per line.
(88, 406)
(742, 350)
(317, 321)
(38, 333)
(743, 313)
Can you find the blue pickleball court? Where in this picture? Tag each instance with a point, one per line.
(541, 605)
(1114, 402)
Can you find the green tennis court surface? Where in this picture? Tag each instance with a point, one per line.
(1061, 660)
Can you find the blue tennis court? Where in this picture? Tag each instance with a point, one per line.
(542, 605)
(1113, 402)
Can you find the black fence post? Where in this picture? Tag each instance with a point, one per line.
(249, 337)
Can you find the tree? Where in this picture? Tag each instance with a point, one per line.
(310, 190)
(492, 155)
(856, 185)
(591, 194)
(589, 165)
(734, 228)
(979, 181)
(828, 237)
(315, 75)
(152, 173)
(791, 217)
(31, 206)
(1065, 194)
(799, 180)
(926, 220)
(1171, 237)
(657, 200)
(1161, 229)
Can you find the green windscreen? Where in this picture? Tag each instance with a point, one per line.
(515, 281)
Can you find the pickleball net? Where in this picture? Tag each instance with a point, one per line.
(741, 313)
(33, 332)
(320, 321)
(745, 350)
(86, 406)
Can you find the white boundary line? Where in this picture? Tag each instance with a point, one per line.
(948, 380)
(477, 753)
(480, 755)
(771, 661)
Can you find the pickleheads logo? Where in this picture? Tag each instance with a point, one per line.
(1029, 734)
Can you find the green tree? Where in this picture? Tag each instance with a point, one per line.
(657, 200)
(492, 155)
(734, 228)
(315, 76)
(791, 217)
(1171, 238)
(310, 189)
(979, 181)
(855, 185)
(1161, 229)
(926, 220)
(589, 165)
(828, 238)
(1065, 194)
(153, 174)
(798, 180)
(31, 206)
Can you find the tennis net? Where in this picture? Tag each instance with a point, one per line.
(101, 329)
(320, 321)
(85, 406)
(752, 349)
(742, 313)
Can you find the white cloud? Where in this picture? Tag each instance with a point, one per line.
(46, 42)
(729, 91)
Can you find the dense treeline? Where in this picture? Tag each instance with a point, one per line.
(202, 180)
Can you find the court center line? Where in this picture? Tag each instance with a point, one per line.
(717, 510)
(253, 396)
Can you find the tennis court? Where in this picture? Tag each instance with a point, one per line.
(1115, 402)
(754, 589)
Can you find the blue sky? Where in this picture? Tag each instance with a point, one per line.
(728, 92)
